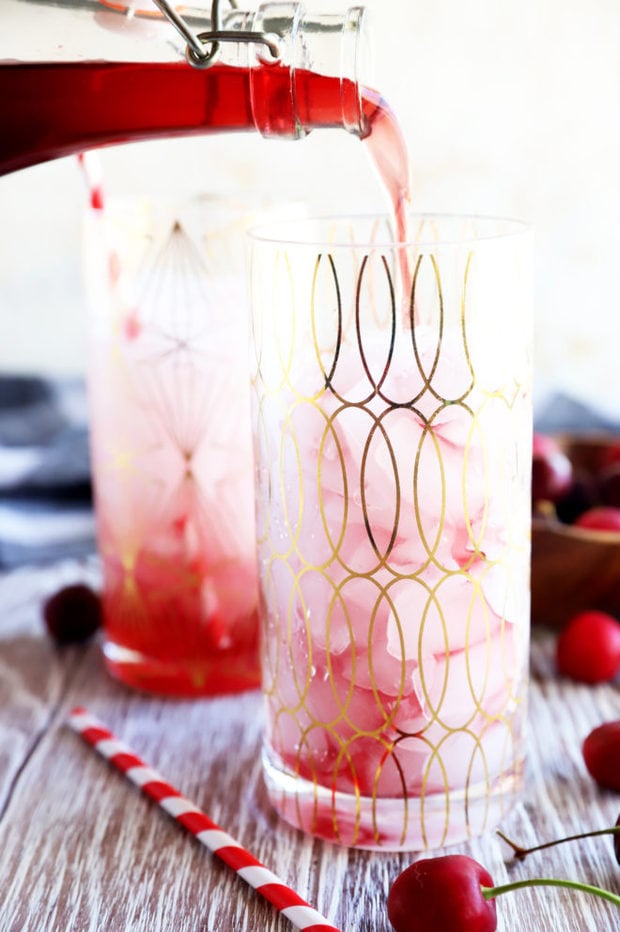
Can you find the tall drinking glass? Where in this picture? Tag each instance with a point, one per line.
(392, 430)
(171, 442)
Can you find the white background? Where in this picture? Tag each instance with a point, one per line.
(509, 107)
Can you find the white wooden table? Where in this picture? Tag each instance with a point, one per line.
(81, 849)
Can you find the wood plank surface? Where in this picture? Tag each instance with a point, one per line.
(81, 849)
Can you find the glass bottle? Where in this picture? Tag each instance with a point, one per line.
(76, 74)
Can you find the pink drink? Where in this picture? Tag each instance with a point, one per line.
(393, 522)
(172, 453)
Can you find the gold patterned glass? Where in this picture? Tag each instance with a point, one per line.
(392, 429)
(171, 441)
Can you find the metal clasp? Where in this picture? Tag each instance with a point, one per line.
(201, 56)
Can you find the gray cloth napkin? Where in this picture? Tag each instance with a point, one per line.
(562, 414)
(45, 482)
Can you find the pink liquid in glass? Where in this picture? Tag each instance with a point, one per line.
(394, 527)
(171, 447)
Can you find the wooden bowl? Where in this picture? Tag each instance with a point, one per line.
(575, 569)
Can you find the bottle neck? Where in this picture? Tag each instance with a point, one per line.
(304, 69)
(316, 81)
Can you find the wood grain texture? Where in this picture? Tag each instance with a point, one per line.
(573, 570)
(81, 849)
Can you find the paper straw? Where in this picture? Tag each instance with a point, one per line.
(197, 823)
(91, 171)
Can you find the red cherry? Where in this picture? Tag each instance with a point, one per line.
(582, 495)
(72, 614)
(588, 649)
(601, 755)
(456, 894)
(611, 454)
(552, 471)
(442, 895)
(617, 842)
(603, 518)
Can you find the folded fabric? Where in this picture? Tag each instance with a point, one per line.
(561, 413)
(45, 480)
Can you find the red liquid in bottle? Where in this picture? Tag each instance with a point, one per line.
(52, 110)
(56, 109)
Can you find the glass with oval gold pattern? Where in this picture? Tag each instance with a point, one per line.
(392, 428)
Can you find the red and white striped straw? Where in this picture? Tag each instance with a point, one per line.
(287, 901)
(92, 174)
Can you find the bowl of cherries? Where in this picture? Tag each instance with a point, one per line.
(575, 526)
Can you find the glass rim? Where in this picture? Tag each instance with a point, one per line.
(282, 233)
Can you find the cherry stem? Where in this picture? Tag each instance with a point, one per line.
(490, 893)
(520, 852)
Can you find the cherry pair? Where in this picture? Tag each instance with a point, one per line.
(455, 893)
